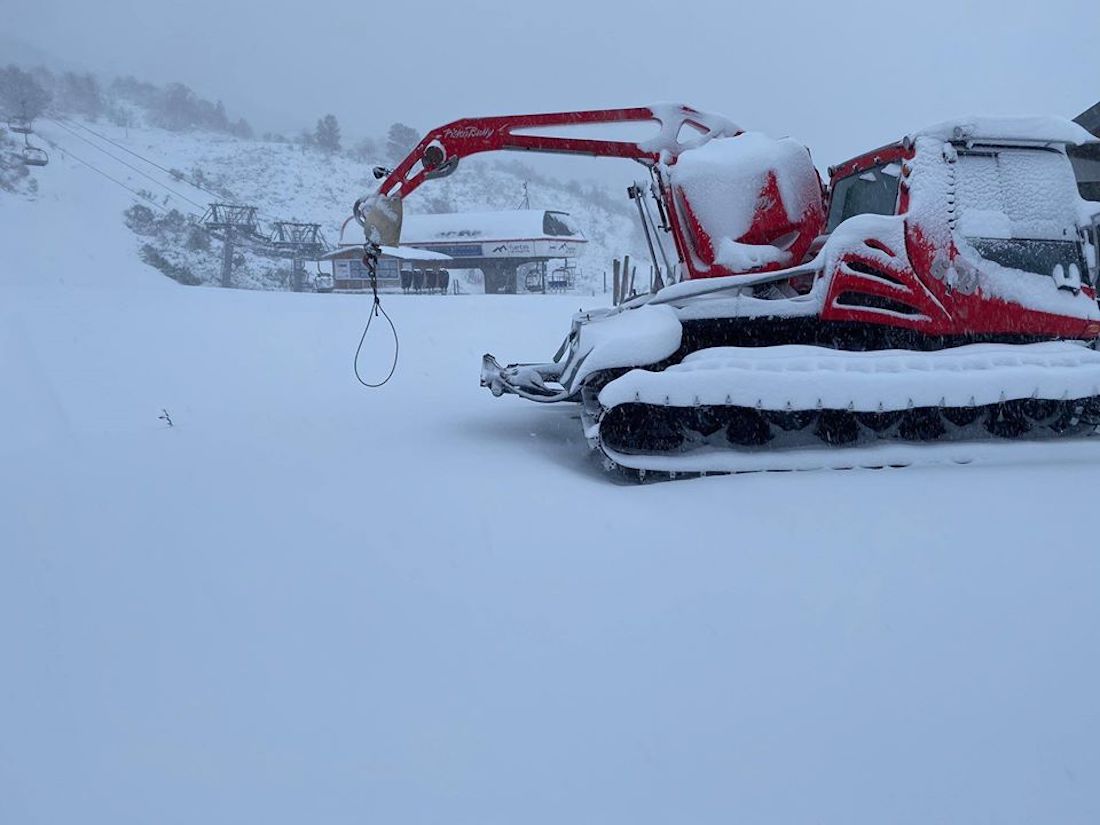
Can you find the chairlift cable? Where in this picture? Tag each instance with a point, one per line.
(188, 181)
(202, 207)
(129, 165)
(143, 158)
(114, 180)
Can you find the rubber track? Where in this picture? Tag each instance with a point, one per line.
(648, 442)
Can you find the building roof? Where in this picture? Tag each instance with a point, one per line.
(507, 225)
(401, 253)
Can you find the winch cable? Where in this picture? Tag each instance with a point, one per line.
(370, 261)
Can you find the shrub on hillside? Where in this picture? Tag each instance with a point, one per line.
(178, 273)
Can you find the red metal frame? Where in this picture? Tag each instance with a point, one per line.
(905, 266)
(492, 134)
(470, 136)
(462, 138)
(861, 163)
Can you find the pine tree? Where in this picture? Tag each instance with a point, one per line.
(220, 120)
(327, 134)
(21, 95)
(241, 129)
(178, 108)
(399, 141)
(80, 94)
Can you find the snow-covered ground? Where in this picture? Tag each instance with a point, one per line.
(311, 602)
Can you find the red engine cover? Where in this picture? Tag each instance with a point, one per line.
(746, 204)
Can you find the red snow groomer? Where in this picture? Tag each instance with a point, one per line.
(937, 294)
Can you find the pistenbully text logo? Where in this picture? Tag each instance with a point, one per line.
(467, 132)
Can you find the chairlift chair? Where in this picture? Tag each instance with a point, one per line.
(20, 126)
(33, 156)
(323, 281)
(562, 279)
(532, 282)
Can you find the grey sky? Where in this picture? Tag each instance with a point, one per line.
(841, 77)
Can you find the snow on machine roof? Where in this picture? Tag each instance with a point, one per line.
(1025, 129)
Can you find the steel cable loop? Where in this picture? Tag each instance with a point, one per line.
(370, 261)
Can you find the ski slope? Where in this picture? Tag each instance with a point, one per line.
(311, 602)
(287, 182)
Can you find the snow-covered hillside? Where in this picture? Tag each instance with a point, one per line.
(295, 183)
(306, 601)
(63, 226)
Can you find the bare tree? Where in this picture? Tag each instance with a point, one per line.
(21, 95)
(366, 150)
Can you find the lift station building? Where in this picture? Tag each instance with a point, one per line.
(398, 267)
(497, 243)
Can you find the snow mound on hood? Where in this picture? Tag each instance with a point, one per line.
(723, 181)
